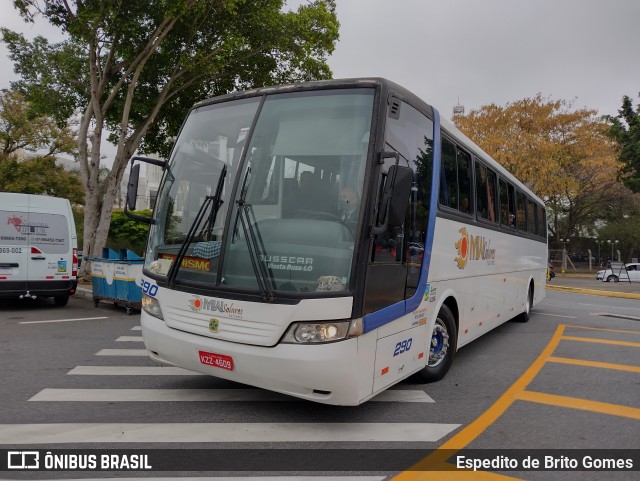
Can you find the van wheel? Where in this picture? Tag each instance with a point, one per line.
(61, 300)
(526, 314)
(442, 347)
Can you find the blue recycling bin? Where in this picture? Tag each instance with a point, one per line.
(116, 277)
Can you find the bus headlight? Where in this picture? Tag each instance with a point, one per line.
(151, 306)
(319, 332)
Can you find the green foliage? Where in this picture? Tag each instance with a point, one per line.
(171, 54)
(23, 127)
(627, 231)
(126, 233)
(78, 218)
(39, 175)
(625, 129)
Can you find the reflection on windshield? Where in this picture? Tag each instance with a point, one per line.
(212, 139)
(301, 201)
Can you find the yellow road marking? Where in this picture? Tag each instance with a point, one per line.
(603, 365)
(435, 466)
(450, 473)
(601, 341)
(577, 403)
(568, 326)
(437, 459)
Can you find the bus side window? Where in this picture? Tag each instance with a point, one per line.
(531, 217)
(504, 204)
(464, 181)
(522, 212)
(448, 176)
(542, 222)
(485, 192)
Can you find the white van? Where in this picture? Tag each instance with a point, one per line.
(38, 247)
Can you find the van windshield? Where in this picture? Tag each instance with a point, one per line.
(296, 181)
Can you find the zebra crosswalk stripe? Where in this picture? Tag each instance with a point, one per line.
(57, 433)
(122, 352)
(211, 395)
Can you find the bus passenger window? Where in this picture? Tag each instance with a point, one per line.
(542, 222)
(481, 191)
(531, 217)
(522, 212)
(448, 176)
(464, 181)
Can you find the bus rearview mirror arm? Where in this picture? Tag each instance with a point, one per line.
(132, 187)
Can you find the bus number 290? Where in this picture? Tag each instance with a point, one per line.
(402, 347)
(149, 289)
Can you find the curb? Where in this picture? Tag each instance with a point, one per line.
(593, 292)
(84, 292)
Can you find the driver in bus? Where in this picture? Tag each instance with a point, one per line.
(349, 205)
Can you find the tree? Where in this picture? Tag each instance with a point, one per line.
(39, 175)
(625, 129)
(127, 233)
(135, 67)
(563, 155)
(21, 127)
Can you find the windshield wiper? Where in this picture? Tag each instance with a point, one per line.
(215, 202)
(245, 213)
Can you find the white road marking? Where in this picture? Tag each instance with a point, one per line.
(210, 395)
(65, 320)
(617, 316)
(130, 339)
(611, 307)
(550, 314)
(122, 352)
(131, 371)
(136, 328)
(238, 478)
(57, 433)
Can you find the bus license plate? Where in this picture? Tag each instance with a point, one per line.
(216, 360)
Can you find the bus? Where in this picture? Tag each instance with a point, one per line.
(329, 239)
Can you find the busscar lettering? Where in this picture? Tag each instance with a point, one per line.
(283, 259)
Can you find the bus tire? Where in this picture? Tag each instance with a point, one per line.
(526, 314)
(442, 347)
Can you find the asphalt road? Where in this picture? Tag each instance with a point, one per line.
(566, 380)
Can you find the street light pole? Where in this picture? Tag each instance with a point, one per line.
(612, 242)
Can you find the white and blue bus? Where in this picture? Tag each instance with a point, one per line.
(328, 239)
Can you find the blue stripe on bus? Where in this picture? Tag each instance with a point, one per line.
(414, 301)
(391, 313)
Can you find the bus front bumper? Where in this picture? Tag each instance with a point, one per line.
(325, 373)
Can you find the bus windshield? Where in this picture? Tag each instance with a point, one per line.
(296, 174)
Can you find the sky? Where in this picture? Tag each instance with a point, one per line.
(476, 52)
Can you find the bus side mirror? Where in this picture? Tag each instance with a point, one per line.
(132, 187)
(395, 199)
(400, 195)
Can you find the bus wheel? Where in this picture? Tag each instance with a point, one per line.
(526, 314)
(442, 347)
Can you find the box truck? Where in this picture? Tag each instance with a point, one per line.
(38, 247)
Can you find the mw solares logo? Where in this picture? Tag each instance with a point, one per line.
(473, 248)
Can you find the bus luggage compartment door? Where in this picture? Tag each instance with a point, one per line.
(399, 355)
